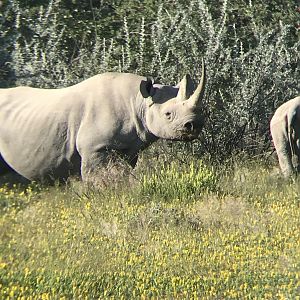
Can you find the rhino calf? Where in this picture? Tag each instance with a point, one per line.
(52, 133)
(285, 131)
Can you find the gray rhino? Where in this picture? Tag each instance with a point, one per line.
(52, 133)
(285, 131)
(48, 134)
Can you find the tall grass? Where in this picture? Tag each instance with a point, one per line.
(237, 239)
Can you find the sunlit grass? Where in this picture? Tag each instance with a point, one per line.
(237, 237)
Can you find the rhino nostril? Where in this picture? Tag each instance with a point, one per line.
(189, 126)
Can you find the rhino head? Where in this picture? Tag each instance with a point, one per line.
(175, 113)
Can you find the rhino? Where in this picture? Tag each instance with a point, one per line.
(50, 134)
(285, 131)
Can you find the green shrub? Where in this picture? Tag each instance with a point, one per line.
(179, 182)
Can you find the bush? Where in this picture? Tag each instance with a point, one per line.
(179, 182)
(247, 79)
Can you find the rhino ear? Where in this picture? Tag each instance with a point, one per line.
(146, 87)
(186, 88)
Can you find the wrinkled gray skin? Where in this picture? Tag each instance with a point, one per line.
(285, 131)
(52, 133)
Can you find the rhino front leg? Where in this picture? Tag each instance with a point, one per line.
(91, 165)
(104, 166)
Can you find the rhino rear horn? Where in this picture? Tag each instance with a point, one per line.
(146, 87)
(197, 96)
(186, 88)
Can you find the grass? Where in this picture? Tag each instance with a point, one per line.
(228, 234)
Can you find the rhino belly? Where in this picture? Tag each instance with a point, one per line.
(40, 157)
(51, 165)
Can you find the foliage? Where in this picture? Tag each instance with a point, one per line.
(183, 183)
(256, 83)
(6, 40)
(239, 242)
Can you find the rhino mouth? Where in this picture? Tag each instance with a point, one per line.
(184, 136)
(190, 137)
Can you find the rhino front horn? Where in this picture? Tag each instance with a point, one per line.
(197, 96)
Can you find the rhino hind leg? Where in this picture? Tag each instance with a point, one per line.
(283, 148)
(296, 160)
(284, 155)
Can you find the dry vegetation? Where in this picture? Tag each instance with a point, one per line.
(233, 233)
